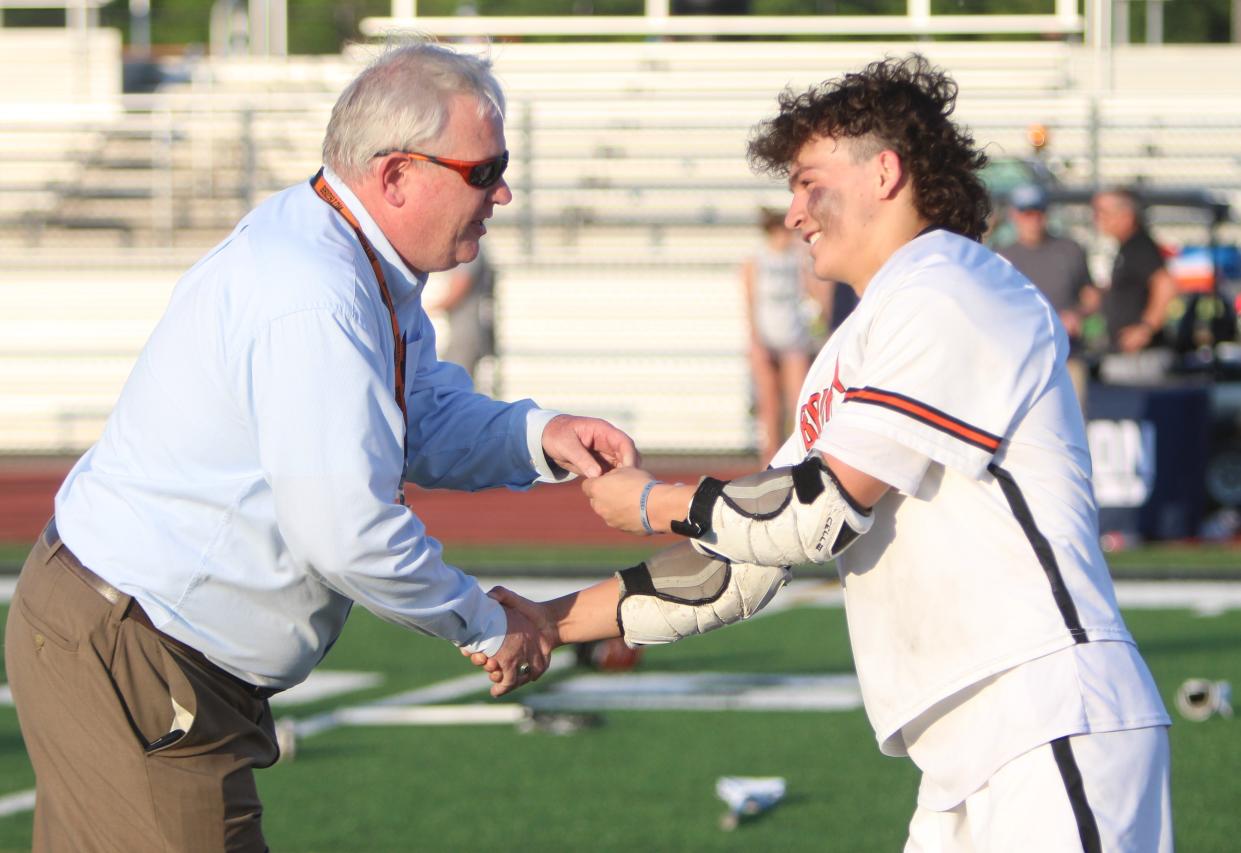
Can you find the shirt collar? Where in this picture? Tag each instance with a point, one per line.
(402, 281)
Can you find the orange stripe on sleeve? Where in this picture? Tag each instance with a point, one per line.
(928, 415)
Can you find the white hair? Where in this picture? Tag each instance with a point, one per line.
(401, 102)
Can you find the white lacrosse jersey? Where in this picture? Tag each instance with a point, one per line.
(948, 382)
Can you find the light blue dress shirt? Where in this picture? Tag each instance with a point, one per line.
(242, 490)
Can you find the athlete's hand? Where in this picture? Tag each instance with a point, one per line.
(588, 447)
(615, 497)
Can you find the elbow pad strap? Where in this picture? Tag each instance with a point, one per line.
(698, 521)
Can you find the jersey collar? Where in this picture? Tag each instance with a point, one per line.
(896, 261)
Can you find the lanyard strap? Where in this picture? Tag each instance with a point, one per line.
(325, 192)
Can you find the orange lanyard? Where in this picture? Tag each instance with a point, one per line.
(325, 192)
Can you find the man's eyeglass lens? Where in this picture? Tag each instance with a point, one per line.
(477, 173)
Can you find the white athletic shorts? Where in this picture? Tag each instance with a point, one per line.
(1096, 793)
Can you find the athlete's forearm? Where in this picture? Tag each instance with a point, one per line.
(588, 614)
(668, 503)
(863, 489)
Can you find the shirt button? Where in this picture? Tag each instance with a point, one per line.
(39, 640)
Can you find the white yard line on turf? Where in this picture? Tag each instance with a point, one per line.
(1207, 598)
(700, 691)
(436, 715)
(324, 684)
(22, 801)
(7, 585)
(443, 691)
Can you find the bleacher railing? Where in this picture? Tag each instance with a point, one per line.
(1066, 21)
(179, 170)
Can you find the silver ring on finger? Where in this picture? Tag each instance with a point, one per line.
(523, 670)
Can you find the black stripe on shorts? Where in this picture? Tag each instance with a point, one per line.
(1087, 828)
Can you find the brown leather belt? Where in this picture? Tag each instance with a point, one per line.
(52, 541)
(135, 613)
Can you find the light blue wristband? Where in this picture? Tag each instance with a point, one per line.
(646, 493)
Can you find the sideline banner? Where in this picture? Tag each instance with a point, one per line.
(1149, 449)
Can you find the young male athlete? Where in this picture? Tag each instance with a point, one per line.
(939, 440)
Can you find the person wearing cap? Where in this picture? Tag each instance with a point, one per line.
(1057, 265)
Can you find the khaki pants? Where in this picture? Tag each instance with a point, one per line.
(138, 742)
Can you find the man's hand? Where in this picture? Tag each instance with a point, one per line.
(588, 446)
(616, 498)
(580, 617)
(530, 640)
(1135, 338)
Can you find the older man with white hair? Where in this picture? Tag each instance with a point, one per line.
(249, 486)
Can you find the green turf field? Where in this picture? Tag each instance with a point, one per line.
(1154, 561)
(644, 780)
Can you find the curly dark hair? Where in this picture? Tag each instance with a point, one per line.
(900, 104)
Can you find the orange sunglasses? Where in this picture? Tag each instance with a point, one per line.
(477, 173)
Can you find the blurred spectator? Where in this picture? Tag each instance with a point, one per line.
(836, 301)
(468, 301)
(1057, 265)
(1135, 303)
(776, 279)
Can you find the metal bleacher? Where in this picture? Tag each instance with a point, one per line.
(616, 147)
(68, 338)
(633, 204)
(608, 140)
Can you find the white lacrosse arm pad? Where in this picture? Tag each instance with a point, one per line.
(779, 517)
(681, 591)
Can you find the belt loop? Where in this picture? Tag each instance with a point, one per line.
(50, 540)
(121, 608)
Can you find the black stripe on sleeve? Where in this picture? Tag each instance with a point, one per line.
(1087, 827)
(1042, 550)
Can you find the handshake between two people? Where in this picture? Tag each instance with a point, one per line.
(741, 538)
(607, 460)
(535, 629)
